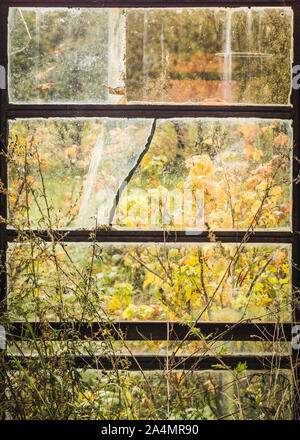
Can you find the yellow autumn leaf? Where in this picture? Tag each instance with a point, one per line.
(275, 192)
(173, 253)
(208, 141)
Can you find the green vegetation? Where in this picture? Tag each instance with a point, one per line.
(191, 174)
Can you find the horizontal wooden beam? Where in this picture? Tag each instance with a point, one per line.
(148, 111)
(149, 3)
(150, 363)
(156, 330)
(137, 236)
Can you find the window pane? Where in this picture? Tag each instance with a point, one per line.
(61, 55)
(149, 281)
(217, 348)
(202, 348)
(192, 174)
(209, 56)
(205, 395)
(156, 395)
(186, 55)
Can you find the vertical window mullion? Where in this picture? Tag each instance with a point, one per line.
(296, 211)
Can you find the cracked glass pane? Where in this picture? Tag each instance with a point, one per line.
(209, 56)
(183, 174)
(153, 281)
(68, 171)
(65, 55)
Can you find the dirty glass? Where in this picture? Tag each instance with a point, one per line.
(193, 395)
(202, 348)
(183, 174)
(205, 395)
(183, 55)
(240, 394)
(198, 347)
(209, 56)
(64, 55)
(181, 282)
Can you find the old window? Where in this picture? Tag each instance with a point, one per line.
(150, 202)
